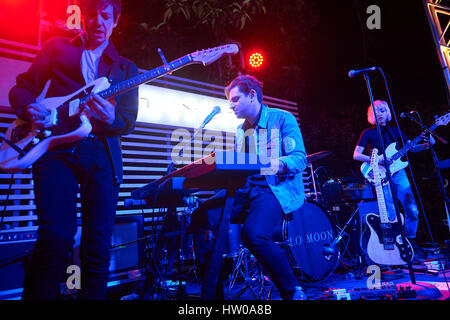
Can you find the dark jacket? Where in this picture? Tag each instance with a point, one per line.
(60, 61)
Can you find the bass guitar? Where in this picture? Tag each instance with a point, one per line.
(385, 245)
(396, 155)
(69, 122)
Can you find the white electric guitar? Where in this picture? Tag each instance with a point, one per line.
(70, 122)
(385, 245)
(396, 155)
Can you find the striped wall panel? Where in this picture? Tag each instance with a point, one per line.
(146, 156)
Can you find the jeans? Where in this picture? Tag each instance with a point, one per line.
(405, 196)
(262, 216)
(84, 167)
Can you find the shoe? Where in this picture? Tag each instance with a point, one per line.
(299, 294)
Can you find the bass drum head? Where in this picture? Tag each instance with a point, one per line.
(305, 234)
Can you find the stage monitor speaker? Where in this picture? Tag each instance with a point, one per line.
(127, 253)
(15, 252)
(127, 244)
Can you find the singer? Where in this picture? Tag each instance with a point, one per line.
(262, 203)
(369, 140)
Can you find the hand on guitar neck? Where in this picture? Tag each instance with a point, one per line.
(100, 109)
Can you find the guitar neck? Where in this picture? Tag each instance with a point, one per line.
(381, 203)
(410, 145)
(134, 82)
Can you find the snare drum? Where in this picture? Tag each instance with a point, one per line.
(306, 232)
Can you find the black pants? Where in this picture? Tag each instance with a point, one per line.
(262, 216)
(85, 168)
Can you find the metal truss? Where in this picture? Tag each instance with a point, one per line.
(438, 13)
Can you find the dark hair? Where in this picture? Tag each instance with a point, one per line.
(246, 83)
(89, 5)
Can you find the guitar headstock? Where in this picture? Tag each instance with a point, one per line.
(208, 56)
(443, 121)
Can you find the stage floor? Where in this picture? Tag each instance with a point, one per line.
(349, 281)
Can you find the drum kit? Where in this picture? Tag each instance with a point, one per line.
(309, 236)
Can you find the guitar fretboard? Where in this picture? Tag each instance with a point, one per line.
(131, 83)
(409, 145)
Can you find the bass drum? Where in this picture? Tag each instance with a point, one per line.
(306, 232)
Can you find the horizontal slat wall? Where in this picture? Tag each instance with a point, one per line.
(146, 156)
(146, 152)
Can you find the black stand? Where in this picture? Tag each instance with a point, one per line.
(12, 145)
(436, 164)
(329, 251)
(171, 166)
(389, 177)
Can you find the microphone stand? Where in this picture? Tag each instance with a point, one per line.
(180, 290)
(389, 177)
(171, 166)
(437, 169)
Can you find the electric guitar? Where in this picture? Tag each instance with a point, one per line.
(396, 155)
(69, 122)
(385, 245)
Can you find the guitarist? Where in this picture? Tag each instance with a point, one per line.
(91, 166)
(368, 140)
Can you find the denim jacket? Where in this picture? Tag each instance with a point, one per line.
(278, 135)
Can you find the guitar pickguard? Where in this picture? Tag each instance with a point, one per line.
(388, 237)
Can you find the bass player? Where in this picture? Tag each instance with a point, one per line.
(369, 140)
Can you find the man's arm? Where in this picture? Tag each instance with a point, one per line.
(126, 111)
(30, 84)
(293, 159)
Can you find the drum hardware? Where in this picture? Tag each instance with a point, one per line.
(310, 159)
(315, 193)
(167, 251)
(330, 250)
(317, 156)
(248, 272)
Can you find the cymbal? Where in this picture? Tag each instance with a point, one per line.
(318, 155)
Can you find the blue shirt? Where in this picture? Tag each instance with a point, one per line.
(277, 135)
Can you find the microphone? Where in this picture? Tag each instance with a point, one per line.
(407, 114)
(215, 111)
(354, 73)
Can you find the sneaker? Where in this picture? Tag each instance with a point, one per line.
(299, 294)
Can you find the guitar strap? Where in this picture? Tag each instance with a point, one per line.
(391, 135)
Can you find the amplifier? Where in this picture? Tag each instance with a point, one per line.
(337, 192)
(127, 255)
(15, 251)
(17, 236)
